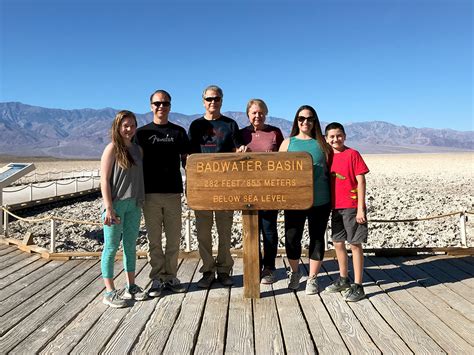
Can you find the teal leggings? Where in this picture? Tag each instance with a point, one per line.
(128, 228)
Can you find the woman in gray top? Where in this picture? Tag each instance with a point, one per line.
(121, 184)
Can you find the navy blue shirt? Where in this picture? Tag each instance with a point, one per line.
(214, 136)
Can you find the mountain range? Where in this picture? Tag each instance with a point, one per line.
(83, 133)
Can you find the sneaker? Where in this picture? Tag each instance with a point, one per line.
(225, 279)
(341, 284)
(294, 282)
(267, 277)
(174, 285)
(155, 289)
(354, 293)
(134, 292)
(113, 299)
(312, 285)
(206, 280)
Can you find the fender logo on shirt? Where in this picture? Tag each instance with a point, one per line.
(154, 139)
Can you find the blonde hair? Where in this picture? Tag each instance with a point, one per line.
(260, 103)
(122, 155)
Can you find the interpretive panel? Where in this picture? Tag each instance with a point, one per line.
(249, 181)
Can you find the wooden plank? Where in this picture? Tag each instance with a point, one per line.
(4, 252)
(30, 287)
(13, 260)
(384, 337)
(64, 290)
(5, 260)
(444, 336)
(251, 241)
(325, 334)
(350, 328)
(411, 333)
(268, 333)
(97, 337)
(240, 337)
(186, 328)
(462, 263)
(35, 341)
(21, 269)
(457, 302)
(455, 272)
(152, 323)
(75, 330)
(297, 338)
(429, 265)
(448, 315)
(212, 334)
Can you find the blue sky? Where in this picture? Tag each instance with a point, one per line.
(408, 62)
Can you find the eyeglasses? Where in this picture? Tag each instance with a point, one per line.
(164, 103)
(301, 119)
(213, 98)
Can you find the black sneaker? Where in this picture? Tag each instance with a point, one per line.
(155, 289)
(225, 279)
(354, 293)
(341, 284)
(207, 279)
(174, 285)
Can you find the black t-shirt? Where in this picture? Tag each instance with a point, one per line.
(214, 136)
(162, 148)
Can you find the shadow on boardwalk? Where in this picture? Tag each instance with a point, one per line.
(413, 304)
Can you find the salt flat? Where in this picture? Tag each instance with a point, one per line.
(399, 186)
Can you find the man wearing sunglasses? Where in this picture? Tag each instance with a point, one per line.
(165, 146)
(214, 133)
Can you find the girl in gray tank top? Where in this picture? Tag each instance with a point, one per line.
(122, 187)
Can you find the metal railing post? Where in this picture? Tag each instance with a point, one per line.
(31, 191)
(462, 228)
(5, 225)
(75, 184)
(52, 246)
(187, 237)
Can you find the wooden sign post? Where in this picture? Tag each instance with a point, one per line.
(250, 182)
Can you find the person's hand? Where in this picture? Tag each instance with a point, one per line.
(111, 218)
(360, 217)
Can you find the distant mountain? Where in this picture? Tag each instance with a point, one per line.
(83, 133)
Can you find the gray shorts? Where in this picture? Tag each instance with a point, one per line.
(345, 227)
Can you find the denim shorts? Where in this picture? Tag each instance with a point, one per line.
(345, 227)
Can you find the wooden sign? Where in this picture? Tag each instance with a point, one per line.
(249, 181)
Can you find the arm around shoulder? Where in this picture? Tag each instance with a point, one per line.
(284, 145)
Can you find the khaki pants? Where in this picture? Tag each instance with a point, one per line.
(204, 220)
(163, 211)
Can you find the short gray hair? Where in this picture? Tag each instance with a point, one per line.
(214, 88)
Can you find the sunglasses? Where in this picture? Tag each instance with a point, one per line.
(301, 119)
(164, 103)
(213, 98)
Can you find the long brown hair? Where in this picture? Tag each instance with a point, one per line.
(122, 155)
(316, 132)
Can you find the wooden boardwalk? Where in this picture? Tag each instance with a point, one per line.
(413, 305)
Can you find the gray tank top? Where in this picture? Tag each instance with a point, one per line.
(129, 183)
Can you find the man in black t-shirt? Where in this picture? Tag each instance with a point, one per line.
(214, 133)
(165, 146)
